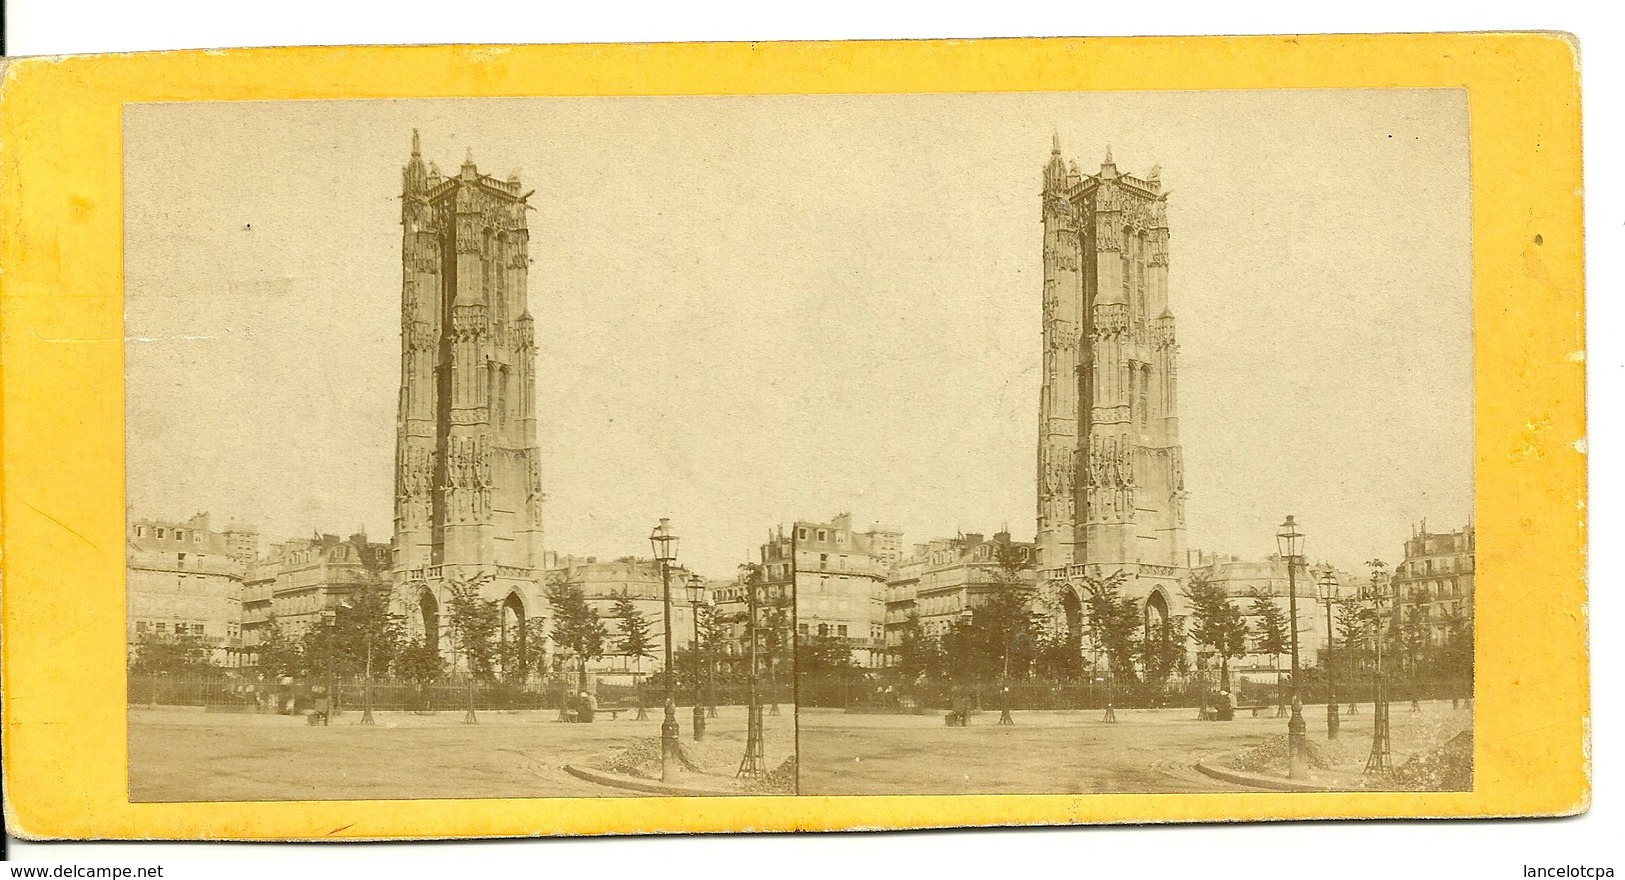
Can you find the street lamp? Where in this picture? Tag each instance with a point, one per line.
(1375, 596)
(697, 599)
(1004, 687)
(1290, 543)
(1327, 584)
(665, 552)
(330, 618)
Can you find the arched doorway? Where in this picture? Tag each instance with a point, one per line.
(515, 631)
(1157, 617)
(1072, 606)
(430, 611)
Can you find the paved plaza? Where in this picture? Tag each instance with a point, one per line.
(185, 754)
(1070, 752)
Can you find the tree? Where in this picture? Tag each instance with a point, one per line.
(1456, 654)
(1162, 652)
(1114, 624)
(1354, 627)
(823, 655)
(713, 634)
(634, 639)
(777, 636)
(178, 654)
(576, 628)
(1001, 633)
(279, 654)
(917, 655)
(1414, 632)
(421, 664)
(368, 635)
(520, 651)
(1272, 636)
(475, 623)
(1216, 623)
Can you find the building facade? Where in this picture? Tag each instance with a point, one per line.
(468, 491)
(839, 579)
(1436, 578)
(299, 580)
(184, 579)
(943, 580)
(1247, 581)
(1111, 489)
(603, 584)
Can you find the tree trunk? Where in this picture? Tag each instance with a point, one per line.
(471, 718)
(366, 689)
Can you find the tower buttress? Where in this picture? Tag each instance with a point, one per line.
(1058, 401)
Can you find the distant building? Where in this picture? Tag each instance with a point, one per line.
(1247, 579)
(182, 578)
(299, 579)
(1437, 575)
(733, 611)
(602, 584)
(944, 580)
(839, 581)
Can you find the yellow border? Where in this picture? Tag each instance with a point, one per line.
(63, 513)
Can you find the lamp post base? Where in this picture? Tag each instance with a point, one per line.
(1332, 719)
(1297, 743)
(699, 723)
(671, 756)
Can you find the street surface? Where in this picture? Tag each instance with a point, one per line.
(185, 754)
(1069, 752)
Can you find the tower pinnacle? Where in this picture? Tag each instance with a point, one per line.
(1055, 143)
(417, 146)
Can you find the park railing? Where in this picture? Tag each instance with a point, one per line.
(882, 694)
(239, 693)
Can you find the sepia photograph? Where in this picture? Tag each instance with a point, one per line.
(1090, 442)
(1173, 477)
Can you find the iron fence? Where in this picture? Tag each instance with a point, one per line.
(236, 693)
(879, 694)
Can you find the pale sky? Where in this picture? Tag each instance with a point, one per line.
(751, 310)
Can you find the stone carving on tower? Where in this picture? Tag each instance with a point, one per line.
(467, 464)
(1109, 400)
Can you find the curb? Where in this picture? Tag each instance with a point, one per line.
(1258, 780)
(651, 786)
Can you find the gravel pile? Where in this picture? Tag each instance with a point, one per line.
(1446, 768)
(718, 758)
(1271, 757)
(642, 759)
(781, 780)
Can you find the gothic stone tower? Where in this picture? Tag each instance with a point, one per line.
(468, 494)
(1111, 491)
